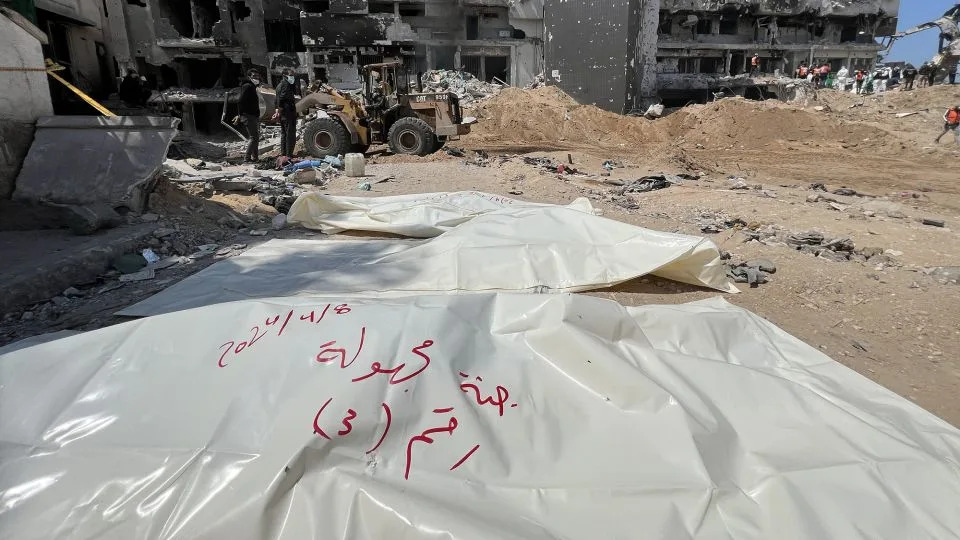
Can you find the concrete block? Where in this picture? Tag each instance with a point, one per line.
(85, 160)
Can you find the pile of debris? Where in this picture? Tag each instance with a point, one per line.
(715, 222)
(468, 88)
(752, 272)
(839, 249)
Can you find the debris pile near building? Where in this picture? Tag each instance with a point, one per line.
(469, 89)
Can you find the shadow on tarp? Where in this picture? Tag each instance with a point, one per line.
(281, 268)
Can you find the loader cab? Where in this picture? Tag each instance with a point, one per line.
(389, 80)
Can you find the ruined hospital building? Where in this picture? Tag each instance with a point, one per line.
(618, 54)
(624, 54)
(200, 43)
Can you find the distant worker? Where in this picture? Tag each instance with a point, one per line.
(132, 89)
(859, 76)
(815, 76)
(755, 64)
(924, 73)
(286, 112)
(880, 78)
(802, 71)
(825, 70)
(909, 75)
(951, 121)
(932, 76)
(250, 113)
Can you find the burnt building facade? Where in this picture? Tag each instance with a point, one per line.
(624, 54)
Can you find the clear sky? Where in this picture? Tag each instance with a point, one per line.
(919, 47)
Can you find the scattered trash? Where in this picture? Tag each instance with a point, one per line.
(845, 191)
(764, 265)
(934, 222)
(838, 207)
(739, 183)
(162, 233)
(454, 151)
(945, 274)
(809, 238)
(818, 187)
(72, 291)
(743, 274)
(654, 111)
(515, 192)
(259, 232)
(203, 251)
(857, 345)
(906, 114)
(150, 256)
(142, 275)
(129, 263)
(354, 165)
(715, 223)
(645, 184)
(278, 222)
(168, 262)
(364, 186)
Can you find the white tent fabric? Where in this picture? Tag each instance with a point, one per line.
(546, 249)
(421, 215)
(461, 416)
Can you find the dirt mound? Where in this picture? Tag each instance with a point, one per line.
(739, 122)
(548, 118)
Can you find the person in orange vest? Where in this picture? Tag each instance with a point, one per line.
(802, 71)
(755, 64)
(951, 123)
(860, 77)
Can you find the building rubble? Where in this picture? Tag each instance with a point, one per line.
(468, 89)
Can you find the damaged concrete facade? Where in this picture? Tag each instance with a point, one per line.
(625, 54)
(201, 44)
(488, 38)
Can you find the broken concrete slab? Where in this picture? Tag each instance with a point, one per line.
(120, 158)
(40, 264)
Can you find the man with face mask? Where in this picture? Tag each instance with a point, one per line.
(250, 113)
(286, 112)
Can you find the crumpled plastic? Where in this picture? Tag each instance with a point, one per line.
(421, 215)
(525, 249)
(467, 416)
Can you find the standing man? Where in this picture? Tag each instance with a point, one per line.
(932, 76)
(286, 112)
(250, 114)
(859, 81)
(755, 64)
(909, 75)
(951, 121)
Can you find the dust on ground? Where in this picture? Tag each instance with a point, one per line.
(894, 319)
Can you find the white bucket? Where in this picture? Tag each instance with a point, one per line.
(353, 164)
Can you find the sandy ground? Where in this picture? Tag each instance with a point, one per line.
(895, 324)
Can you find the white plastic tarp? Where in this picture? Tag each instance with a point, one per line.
(544, 249)
(461, 416)
(421, 215)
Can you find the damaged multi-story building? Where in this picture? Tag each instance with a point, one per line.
(210, 43)
(624, 54)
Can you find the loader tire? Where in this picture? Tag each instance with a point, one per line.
(412, 136)
(326, 137)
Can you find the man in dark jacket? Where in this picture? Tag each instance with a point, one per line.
(909, 75)
(132, 91)
(250, 113)
(286, 111)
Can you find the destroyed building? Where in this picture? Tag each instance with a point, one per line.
(624, 54)
(203, 44)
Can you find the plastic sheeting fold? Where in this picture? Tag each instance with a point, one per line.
(461, 416)
(543, 249)
(421, 215)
